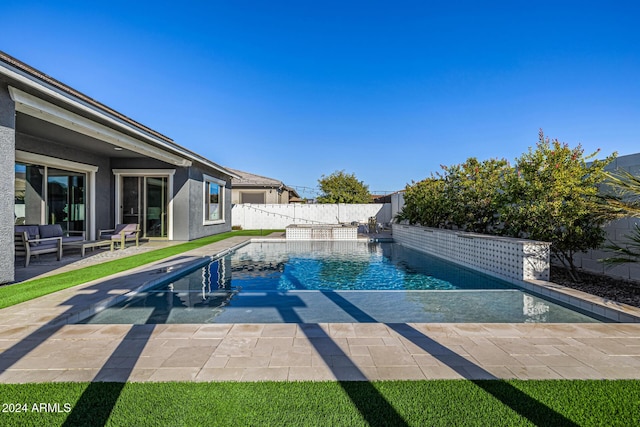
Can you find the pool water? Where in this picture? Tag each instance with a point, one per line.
(314, 282)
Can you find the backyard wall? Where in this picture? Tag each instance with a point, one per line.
(616, 232)
(397, 203)
(513, 260)
(279, 216)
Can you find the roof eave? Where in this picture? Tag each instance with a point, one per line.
(91, 109)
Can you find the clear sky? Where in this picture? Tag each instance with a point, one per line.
(386, 90)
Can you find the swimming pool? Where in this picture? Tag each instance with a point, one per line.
(348, 281)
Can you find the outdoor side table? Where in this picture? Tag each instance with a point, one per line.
(83, 245)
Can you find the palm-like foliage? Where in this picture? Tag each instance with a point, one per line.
(625, 196)
(625, 254)
(625, 199)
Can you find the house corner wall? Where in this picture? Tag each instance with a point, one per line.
(7, 184)
(195, 202)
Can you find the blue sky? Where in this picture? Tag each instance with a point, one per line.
(386, 90)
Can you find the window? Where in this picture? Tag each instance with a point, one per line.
(213, 200)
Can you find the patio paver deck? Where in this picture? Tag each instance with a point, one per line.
(38, 345)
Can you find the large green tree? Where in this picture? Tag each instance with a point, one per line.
(473, 190)
(464, 196)
(341, 187)
(552, 195)
(425, 203)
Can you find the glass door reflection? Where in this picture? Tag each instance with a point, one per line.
(156, 207)
(66, 199)
(145, 202)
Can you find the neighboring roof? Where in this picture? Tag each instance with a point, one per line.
(246, 179)
(29, 79)
(251, 179)
(384, 198)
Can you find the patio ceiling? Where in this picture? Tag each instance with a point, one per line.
(37, 128)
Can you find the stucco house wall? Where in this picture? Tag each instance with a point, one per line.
(57, 134)
(7, 177)
(197, 228)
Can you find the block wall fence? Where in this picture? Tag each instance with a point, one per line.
(279, 216)
(617, 232)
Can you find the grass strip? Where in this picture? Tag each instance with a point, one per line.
(416, 403)
(28, 290)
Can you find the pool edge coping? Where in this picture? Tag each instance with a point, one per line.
(599, 306)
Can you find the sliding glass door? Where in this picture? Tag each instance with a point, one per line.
(62, 201)
(29, 194)
(66, 199)
(131, 200)
(144, 201)
(155, 223)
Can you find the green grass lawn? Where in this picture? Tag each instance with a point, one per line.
(25, 291)
(382, 403)
(413, 403)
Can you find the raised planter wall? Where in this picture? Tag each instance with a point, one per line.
(513, 260)
(321, 232)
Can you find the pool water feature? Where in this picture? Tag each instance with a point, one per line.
(341, 281)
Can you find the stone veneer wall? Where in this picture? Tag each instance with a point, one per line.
(513, 260)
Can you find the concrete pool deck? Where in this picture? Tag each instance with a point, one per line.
(39, 344)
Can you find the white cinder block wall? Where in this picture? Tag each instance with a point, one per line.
(279, 216)
(513, 260)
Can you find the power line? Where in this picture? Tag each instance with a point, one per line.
(279, 215)
(316, 191)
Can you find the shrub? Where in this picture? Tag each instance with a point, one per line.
(551, 194)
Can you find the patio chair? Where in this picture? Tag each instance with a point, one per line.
(122, 233)
(28, 243)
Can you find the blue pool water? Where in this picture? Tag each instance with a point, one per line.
(314, 282)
